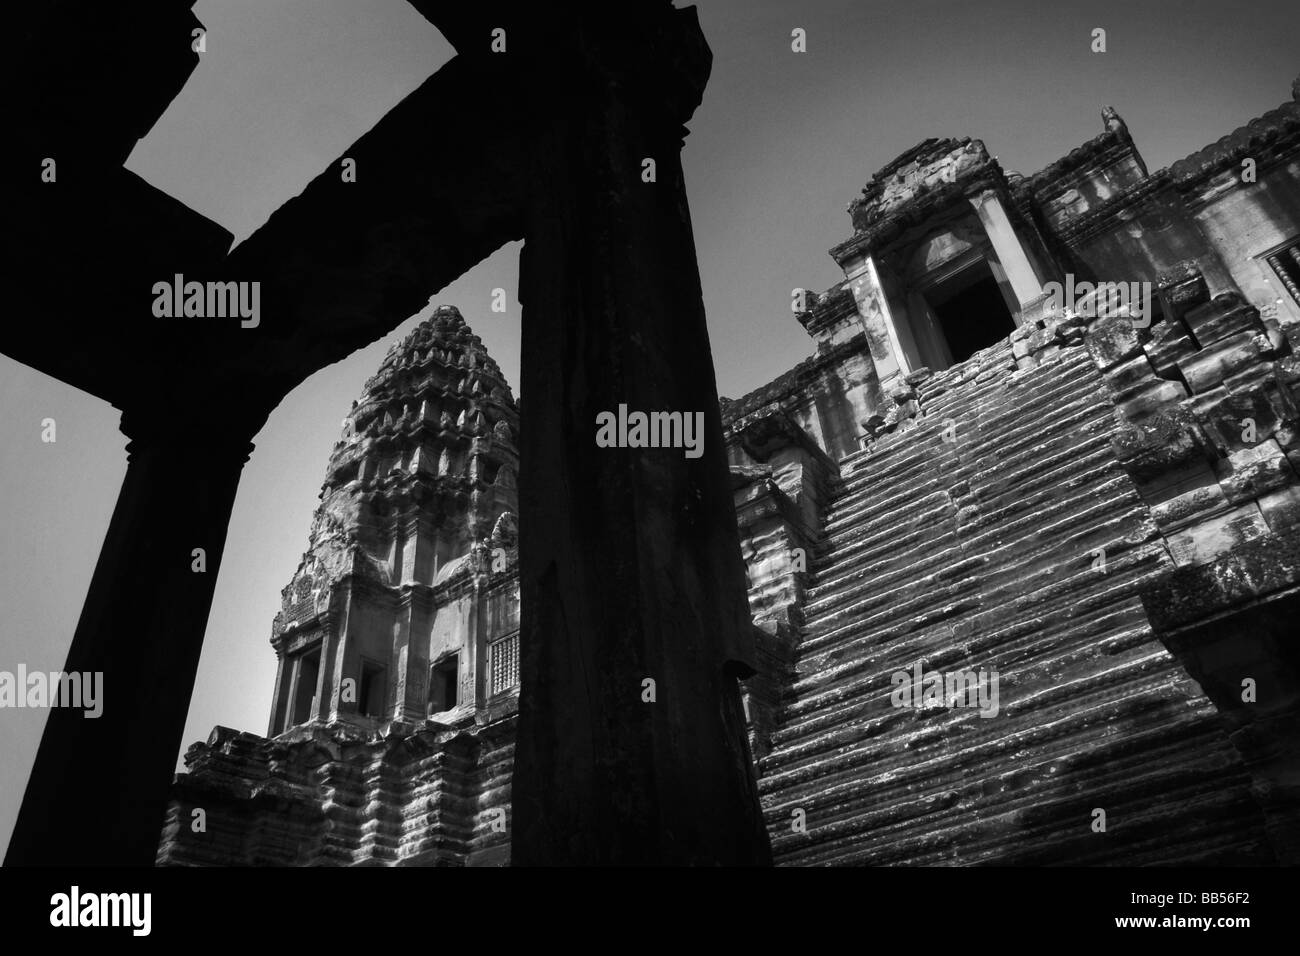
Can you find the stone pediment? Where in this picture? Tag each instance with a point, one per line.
(918, 187)
(931, 165)
(453, 568)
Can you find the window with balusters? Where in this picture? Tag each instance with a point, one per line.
(1285, 263)
(504, 662)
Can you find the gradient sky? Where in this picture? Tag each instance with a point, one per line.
(780, 146)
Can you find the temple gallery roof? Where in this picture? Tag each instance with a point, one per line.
(1259, 138)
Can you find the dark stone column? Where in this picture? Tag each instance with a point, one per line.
(98, 791)
(630, 564)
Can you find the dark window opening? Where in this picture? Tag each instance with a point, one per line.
(305, 693)
(370, 695)
(443, 679)
(971, 311)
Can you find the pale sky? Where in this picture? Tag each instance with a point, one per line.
(782, 143)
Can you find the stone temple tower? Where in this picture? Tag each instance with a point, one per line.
(385, 618)
(392, 725)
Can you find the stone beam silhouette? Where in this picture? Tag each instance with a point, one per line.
(339, 266)
(630, 563)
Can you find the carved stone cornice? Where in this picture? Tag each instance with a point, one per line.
(1100, 219)
(779, 389)
(1101, 151)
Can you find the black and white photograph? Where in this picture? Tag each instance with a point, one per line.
(851, 437)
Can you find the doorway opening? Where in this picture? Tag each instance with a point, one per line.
(305, 690)
(372, 691)
(970, 310)
(443, 678)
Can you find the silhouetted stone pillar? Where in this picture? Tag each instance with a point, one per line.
(630, 565)
(98, 791)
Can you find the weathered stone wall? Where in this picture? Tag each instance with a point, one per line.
(1244, 221)
(828, 396)
(1155, 234)
(317, 797)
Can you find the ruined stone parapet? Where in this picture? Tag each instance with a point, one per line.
(1090, 174)
(336, 796)
(831, 318)
(826, 395)
(781, 480)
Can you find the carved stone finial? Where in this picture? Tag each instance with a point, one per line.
(1114, 124)
(505, 533)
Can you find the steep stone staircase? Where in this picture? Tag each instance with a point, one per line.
(968, 540)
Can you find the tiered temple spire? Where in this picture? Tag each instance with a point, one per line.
(422, 474)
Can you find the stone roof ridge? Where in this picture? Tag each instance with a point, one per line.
(1263, 130)
(1115, 133)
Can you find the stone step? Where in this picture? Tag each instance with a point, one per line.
(1021, 445)
(1091, 450)
(879, 575)
(1027, 681)
(931, 531)
(839, 686)
(1128, 572)
(978, 555)
(1144, 779)
(830, 669)
(1071, 541)
(889, 509)
(836, 615)
(1058, 384)
(910, 462)
(926, 464)
(1144, 679)
(1076, 365)
(813, 688)
(1072, 533)
(889, 739)
(886, 458)
(1041, 514)
(843, 563)
(1092, 624)
(929, 600)
(1003, 443)
(907, 596)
